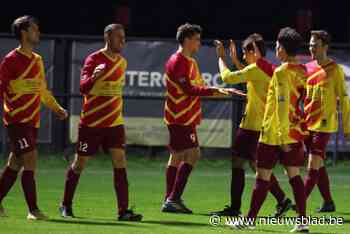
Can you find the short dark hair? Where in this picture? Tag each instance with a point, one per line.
(290, 40)
(187, 31)
(322, 35)
(22, 23)
(109, 28)
(259, 42)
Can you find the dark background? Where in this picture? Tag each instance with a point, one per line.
(220, 19)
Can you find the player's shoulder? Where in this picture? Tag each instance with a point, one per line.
(176, 57)
(10, 56)
(266, 66)
(177, 61)
(94, 55)
(291, 67)
(281, 68)
(123, 60)
(333, 65)
(10, 59)
(37, 56)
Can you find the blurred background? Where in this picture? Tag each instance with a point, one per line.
(155, 18)
(73, 29)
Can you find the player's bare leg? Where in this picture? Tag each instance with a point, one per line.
(8, 178)
(72, 179)
(29, 186)
(174, 161)
(121, 186)
(298, 188)
(174, 202)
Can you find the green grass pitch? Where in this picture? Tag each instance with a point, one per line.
(207, 190)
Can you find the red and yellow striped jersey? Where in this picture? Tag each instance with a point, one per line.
(283, 121)
(325, 85)
(257, 76)
(184, 85)
(103, 102)
(23, 88)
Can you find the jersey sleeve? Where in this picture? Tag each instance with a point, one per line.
(180, 75)
(344, 104)
(46, 95)
(5, 74)
(86, 81)
(282, 95)
(248, 73)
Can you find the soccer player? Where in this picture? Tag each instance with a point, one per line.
(257, 76)
(183, 113)
(23, 88)
(325, 86)
(282, 134)
(101, 121)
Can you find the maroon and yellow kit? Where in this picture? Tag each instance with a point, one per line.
(23, 88)
(101, 120)
(257, 76)
(326, 86)
(283, 122)
(182, 110)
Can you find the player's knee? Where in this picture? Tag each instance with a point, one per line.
(29, 160)
(14, 162)
(119, 161)
(292, 172)
(197, 156)
(175, 161)
(78, 168)
(315, 162)
(193, 155)
(78, 165)
(263, 174)
(14, 167)
(192, 159)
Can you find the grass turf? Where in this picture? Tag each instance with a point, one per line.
(207, 190)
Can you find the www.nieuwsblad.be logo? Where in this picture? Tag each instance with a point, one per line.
(309, 220)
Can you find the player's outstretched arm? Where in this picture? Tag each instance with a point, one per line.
(228, 76)
(220, 52)
(194, 90)
(234, 57)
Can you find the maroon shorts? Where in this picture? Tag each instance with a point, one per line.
(182, 137)
(245, 144)
(22, 138)
(91, 139)
(269, 155)
(316, 143)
